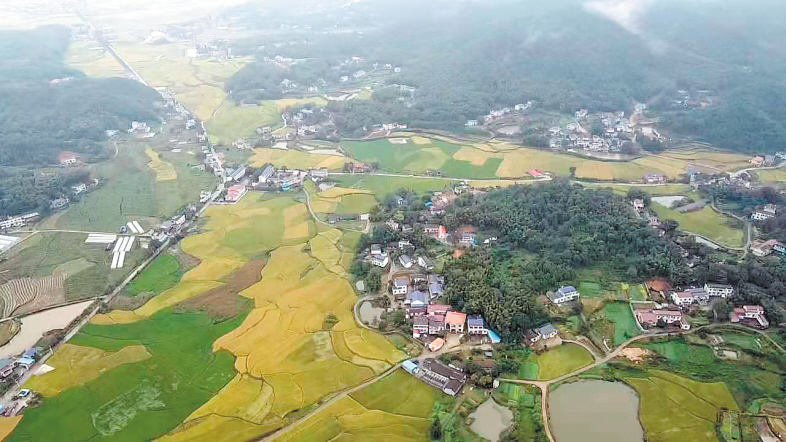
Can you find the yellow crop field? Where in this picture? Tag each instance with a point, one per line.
(115, 317)
(295, 158)
(498, 183)
(213, 428)
(475, 156)
(244, 398)
(77, 365)
(297, 222)
(327, 253)
(421, 140)
(165, 171)
(202, 100)
(348, 420)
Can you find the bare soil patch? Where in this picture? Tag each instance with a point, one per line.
(224, 302)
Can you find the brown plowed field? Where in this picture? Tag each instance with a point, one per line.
(223, 302)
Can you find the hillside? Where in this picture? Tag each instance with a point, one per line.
(40, 117)
(465, 60)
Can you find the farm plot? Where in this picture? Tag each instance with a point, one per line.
(292, 158)
(624, 323)
(424, 154)
(346, 419)
(76, 365)
(705, 222)
(231, 239)
(282, 340)
(399, 393)
(142, 400)
(698, 405)
(554, 362)
(130, 190)
(54, 267)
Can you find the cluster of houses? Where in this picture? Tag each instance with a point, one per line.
(497, 114)
(672, 314)
(763, 161)
(616, 129)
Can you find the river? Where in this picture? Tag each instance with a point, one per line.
(595, 411)
(36, 325)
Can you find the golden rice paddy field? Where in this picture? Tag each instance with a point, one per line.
(285, 360)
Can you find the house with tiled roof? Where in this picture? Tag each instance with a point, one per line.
(455, 321)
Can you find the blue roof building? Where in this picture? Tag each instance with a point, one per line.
(410, 366)
(495, 339)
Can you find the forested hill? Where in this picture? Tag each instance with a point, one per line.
(467, 58)
(39, 119)
(547, 233)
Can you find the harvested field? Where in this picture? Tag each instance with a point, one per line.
(30, 294)
(76, 365)
(223, 302)
(164, 171)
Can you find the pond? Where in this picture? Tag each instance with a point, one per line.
(370, 314)
(491, 419)
(595, 411)
(36, 325)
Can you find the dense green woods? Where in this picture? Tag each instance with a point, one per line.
(546, 233)
(40, 118)
(466, 59)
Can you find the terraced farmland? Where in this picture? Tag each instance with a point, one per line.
(29, 294)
